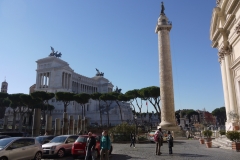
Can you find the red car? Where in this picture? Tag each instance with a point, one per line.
(78, 148)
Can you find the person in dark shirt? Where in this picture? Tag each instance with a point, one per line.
(170, 142)
(90, 147)
(133, 139)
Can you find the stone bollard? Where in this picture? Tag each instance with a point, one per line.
(48, 128)
(36, 122)
(5, 123)
(70, 127)
(65, 124)
(57, 127)
(79, 124)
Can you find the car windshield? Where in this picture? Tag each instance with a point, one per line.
(4, 142)
(82, 139)
(40, 139)
(59, 139)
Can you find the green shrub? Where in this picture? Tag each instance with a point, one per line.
(233, 135)
(207, 133)
(222, 132)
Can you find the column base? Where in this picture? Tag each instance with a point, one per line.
(232, 126)
(177, 132)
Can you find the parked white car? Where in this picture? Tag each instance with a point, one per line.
(20, 148)
(59, 146)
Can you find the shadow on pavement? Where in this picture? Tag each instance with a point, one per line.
(189, 155)
(178, 142)
(120, 157)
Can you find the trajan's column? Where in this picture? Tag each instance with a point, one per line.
(165, 68)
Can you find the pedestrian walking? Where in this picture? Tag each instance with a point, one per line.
(90, 147)
(170, 142)
(158, 137)
(133, 139)
(105, 145)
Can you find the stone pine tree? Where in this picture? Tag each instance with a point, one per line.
(152, 94)
(18, 108)
(220, 113)
(44, 97)
(107, 98)
(82, 99)
(134, 94)
(96, 96)
(65, 97)
(31, 104)
(118, 99)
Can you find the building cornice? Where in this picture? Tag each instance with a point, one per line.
(52, 59)
(229, 21)
(235, 63)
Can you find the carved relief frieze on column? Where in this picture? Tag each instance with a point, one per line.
(237, 29)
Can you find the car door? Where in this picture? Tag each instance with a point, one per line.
(17, 150)
(30, 147)
(69, 142)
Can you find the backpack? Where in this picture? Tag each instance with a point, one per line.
(156, 138)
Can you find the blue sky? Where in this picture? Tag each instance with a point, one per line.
(118, 38)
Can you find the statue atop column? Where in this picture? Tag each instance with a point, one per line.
(162, 9)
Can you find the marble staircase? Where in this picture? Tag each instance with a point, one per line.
(222, 142)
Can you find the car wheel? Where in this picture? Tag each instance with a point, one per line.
(38, 156)
(60, 153)
(3, 158)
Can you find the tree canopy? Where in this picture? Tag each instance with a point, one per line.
(65, 97)
(220, 113)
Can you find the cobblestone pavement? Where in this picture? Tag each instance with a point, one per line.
(182, 150)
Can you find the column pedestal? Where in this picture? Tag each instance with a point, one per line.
(70, 128)
(48, 124)
(36, 122)
(65, 124)
(57, 127)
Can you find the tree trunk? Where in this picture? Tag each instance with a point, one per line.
(120, 110)
(20, 123)
(100, 112)
(14, 121)
(107, 113)
(65, 108)
(82, 111)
